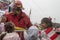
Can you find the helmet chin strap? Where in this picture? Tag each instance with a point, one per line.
(17, 12)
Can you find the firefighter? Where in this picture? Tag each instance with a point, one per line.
(18, 17)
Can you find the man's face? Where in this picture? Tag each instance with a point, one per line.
(17, 10)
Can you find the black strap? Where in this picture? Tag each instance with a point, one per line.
(58, 33)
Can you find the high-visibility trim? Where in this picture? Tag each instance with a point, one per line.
(51, 33)
(19, 28)
(48, 30)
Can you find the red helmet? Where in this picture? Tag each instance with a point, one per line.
(18, 4)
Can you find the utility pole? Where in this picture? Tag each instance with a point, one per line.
(30, 13)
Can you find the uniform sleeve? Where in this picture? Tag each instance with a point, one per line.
(28, 22)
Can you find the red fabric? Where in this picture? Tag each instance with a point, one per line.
(23, 22)
(54, 37)
(21, 34)
(49, 30)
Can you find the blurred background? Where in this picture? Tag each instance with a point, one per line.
(37, 9)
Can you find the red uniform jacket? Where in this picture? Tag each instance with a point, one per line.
(21, 21)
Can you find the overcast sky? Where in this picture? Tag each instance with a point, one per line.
(42, 8)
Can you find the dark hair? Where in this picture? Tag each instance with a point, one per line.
(47, 21)
(9, 27)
